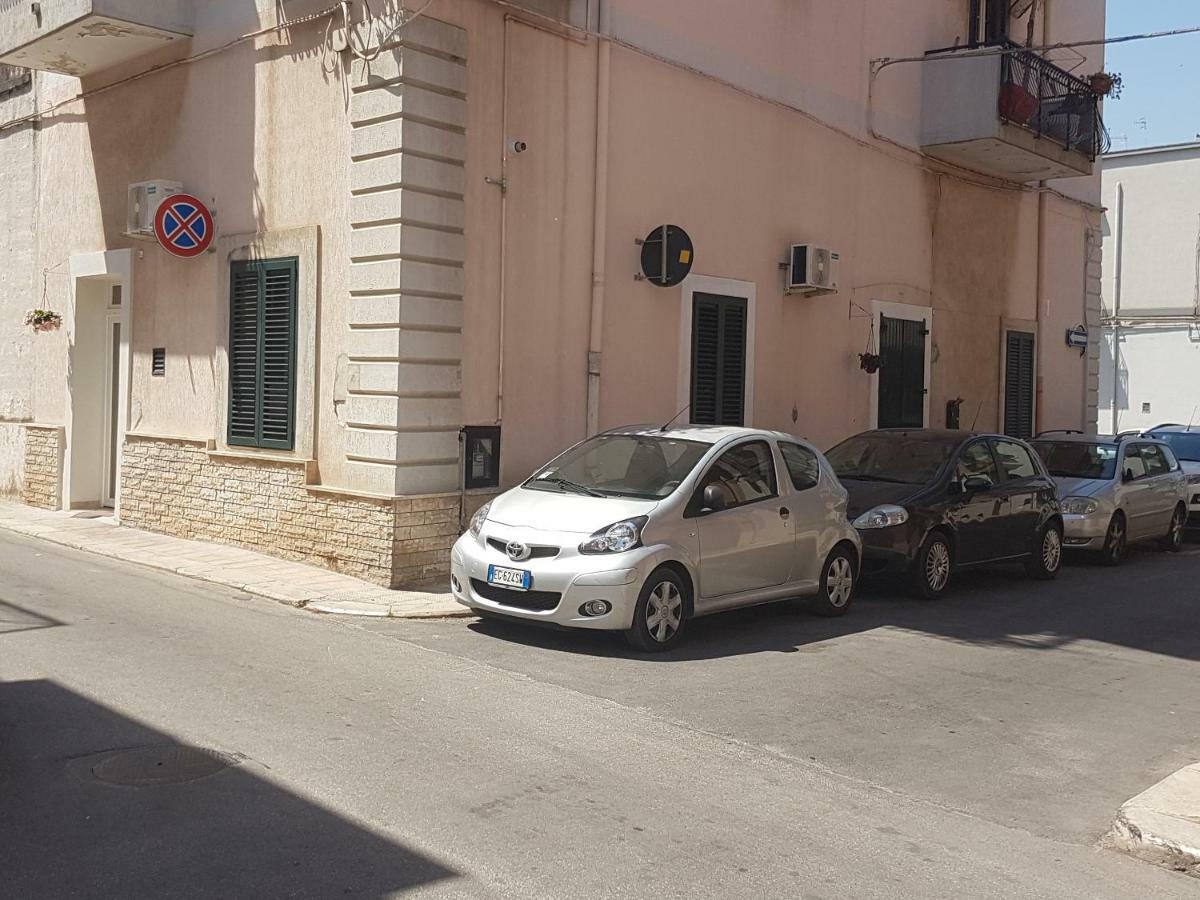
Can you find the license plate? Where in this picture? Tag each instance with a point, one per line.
(517, 579)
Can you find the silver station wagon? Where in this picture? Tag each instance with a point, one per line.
(1116, 490)
(640, 529)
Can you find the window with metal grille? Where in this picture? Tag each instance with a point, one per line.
(718, 360)
(1018, 384)
(262, 353)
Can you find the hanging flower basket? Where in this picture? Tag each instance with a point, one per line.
(869, 362)
(43, 320)
(1106, 84)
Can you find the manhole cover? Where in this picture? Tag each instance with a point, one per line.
(160, 765)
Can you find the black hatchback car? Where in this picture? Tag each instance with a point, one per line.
(928, 502)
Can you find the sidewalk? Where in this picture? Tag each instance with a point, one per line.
(293, 583)
(1163, 823)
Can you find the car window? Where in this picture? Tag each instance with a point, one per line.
(1156, 463)
(745, 474)
(976, 461)
(802, 466)
(1133, 467)
(1078, 459)
(646, 466)
(1172, 462)
(1015, 461)
(1185, 444)
(888, 457)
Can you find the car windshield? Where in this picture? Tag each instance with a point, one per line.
(1186, 444)
(1078, 459)
(890, 458)
(644, 466)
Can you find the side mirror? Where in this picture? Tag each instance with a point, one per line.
(973, 483)
(1127, 475)
(713, 499)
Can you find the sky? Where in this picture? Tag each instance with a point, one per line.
(1160, 98)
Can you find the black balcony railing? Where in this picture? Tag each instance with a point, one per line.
(1051, 102)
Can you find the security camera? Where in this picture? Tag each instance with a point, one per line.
(517, 146)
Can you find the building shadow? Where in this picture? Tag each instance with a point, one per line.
(14, 618)
(65, 832)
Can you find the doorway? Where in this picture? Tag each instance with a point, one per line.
(901, 395)
(112, 396)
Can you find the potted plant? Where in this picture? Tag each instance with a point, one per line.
(43, 320)
(869, 362)
(1106, 84)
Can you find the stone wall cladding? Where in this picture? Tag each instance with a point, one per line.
(42, 482)
(181, 487)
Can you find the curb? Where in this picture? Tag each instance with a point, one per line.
(1162, 824)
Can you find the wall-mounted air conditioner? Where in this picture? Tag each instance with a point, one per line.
(144, 198)
(812, 270)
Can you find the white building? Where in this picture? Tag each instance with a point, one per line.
(1150, 365)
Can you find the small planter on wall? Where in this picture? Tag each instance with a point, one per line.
(869, 362)
(43, 320)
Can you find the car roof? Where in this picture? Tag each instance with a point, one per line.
(1174, 429)
(704, 434)
(1073, 438)
(934, 435)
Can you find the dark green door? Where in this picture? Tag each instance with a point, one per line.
(901, 373)
(1019, 384)
(719, 328)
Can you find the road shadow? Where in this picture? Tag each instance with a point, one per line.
(64, 832)
(1149, 603)
(14, 619)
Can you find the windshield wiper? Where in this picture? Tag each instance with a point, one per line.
(567, 485)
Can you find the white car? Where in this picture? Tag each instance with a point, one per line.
(1184, 441)
(640, 529)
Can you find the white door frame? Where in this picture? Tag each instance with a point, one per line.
(111, 392)
(728, 287)
(116, 267)
(881, 308)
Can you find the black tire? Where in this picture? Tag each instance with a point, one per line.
(1046, 560)
(1116, 540)
(663, 590)
(1173, 542)
(839, 580)
(931, 570)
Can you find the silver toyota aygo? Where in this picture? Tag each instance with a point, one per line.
(641, 529)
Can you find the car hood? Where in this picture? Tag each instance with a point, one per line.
(553, 511)
(1081, 487)
(1190, 466)
(865, 495)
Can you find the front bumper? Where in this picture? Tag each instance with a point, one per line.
(1086, 532)
(561, 585)
(888, 550)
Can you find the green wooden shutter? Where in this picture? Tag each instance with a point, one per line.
(262, 353)
(719, 329)
(1019, 384)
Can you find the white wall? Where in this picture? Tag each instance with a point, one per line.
(1159, 366)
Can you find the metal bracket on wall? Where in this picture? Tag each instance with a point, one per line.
(501, 183)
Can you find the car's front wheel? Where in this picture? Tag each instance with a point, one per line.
(1173, 542)
(931, 569)
(838, 581)
(1047, 554)
(661, 612)
(1114, 541)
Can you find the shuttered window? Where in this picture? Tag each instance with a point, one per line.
(262, 353)
(1018, 384)
(901, 373)
(718, 360)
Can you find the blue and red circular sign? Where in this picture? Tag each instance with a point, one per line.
(184, 226)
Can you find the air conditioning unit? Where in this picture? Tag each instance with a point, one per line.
(144, 199)
(812, 270)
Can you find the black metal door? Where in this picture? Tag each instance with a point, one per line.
(1018, 384)
(718, 360)
(901, 373)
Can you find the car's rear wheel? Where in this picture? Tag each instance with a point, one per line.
(661, 612)
(838, 582)
(1115, 541)
(1173, 542)
(931, 569)
(1047, 555)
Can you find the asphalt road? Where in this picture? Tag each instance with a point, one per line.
(973, 748)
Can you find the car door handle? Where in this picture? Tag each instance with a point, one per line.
(784, 512)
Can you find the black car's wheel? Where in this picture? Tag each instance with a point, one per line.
(1173, 542)
(1115, 541)
(838, 581)
(931, 569)
(661, 612)
(1047, 555)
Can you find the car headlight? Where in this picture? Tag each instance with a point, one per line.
(616, 538)
(479, 518)
(1079, 506)
(882, 517)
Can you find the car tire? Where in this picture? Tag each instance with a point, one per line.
(1173, 542)
(1116, 540)
(661, 612)
(933, 566)
(1046, 561)
(839, 580)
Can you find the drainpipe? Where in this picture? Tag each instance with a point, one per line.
(1042, 308)
(1118, 266)
(600, 214)
(502, 183)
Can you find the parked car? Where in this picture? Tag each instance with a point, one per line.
(1116, 490)
(929, 502)
(1185, 444)
(640, 529)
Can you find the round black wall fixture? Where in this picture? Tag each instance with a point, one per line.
(667, 256)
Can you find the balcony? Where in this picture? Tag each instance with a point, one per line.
(83, 37)
(1014, 115)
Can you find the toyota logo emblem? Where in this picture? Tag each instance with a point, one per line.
(517, 551)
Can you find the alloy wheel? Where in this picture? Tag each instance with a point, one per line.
(1051, 550)
(839, 582)
(1116, 539)
(664, 611)
(1175, 536)
(937, 565)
